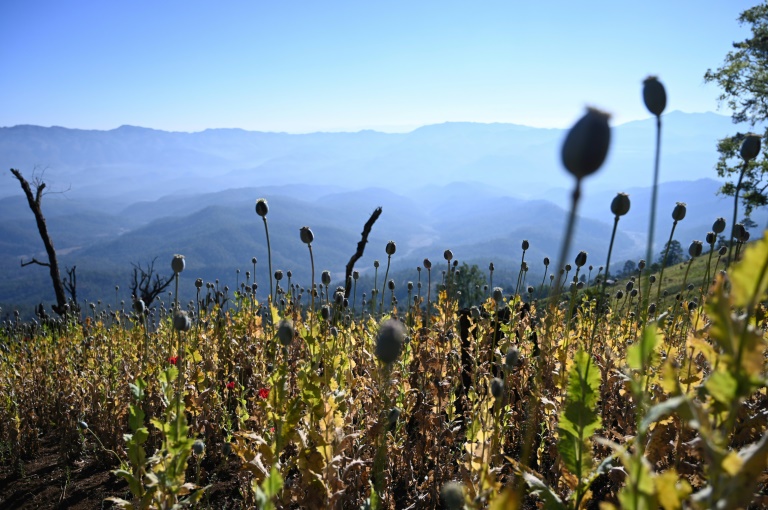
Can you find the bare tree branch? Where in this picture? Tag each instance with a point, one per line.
(360, 248)
(35, 261)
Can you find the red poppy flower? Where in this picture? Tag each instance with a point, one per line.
(231, 385)
(173, 359)
(264, 393)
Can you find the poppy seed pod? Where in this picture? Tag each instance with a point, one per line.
(581, 259)
(620, 204)
(279, 275)
(695, 249)
(325, 312)
(718, 226)
(306, 235)
(452, 494)
(391, 248)
(326, 277)
(253, 260)
(652, 309)
(678, 213)
(139, 307)
(410, 285)
(448, 255)
(355, 274)
(491, 266)
(546, 261)
(641, 265)
(619, 294)
(750, 147)
(391, 284)
(744, 237)
(530, 289)
(262, 208)
(427, 264)
(198, 447)
(389, 341)
(722, 251)
(652, 278)
(568, 267)
(586, 145)
(393, 416)
(525, 245)
(376, 264)
(285, 331)
(177, 263)
(498, 294)
(711, 238)
(181, 322)
(497, 387)
(654, 95)
(512, 358)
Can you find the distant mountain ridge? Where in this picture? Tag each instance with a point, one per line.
(524, 160)
(478, 189)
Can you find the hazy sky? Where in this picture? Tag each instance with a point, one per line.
(298, 66)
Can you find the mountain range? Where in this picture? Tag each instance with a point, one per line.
(132, 194)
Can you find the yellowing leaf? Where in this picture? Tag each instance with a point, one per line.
(749, 277)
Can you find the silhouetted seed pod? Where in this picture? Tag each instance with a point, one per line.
(690, 286)
(355, 274)
(619, 294)
(289, 273)
(530, 289)
(393, 416)
(338, 298)
(654, 95)
(633, 293)
(641, 264)
(580, 285)
(177, 263)
(391, 284)
(261, 207)
(718, 226)
(325, 312)
(139, 307)
(512, 358)
(750, 147)
(253, 260)
(181, 322)
(525, 245)
(448, 255)
(678, 213)
(711, 238)
(490, 266)
(391, 248)
(620, 204)
(427, 264)
(586, 144)
(695, 249)
(345, 303)
(452, 494)
(581, 259)
(409, 285)
(652, 309)
(82, 425)
(738, 231)
(498, 294)
(326, 277)
(546, 261)
(306, 235)
(744, 237)
(279, 275)
(652, 278)
(722, 251)
(389, 341)
(497, 387)
(198, 447)
(692, 305)
(568, 267)
(455, 262)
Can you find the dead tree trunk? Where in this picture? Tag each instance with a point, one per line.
(52, 264)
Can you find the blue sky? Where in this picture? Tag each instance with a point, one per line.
(301, 66)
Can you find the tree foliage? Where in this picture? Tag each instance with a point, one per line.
(675, 254)
(743, 78)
